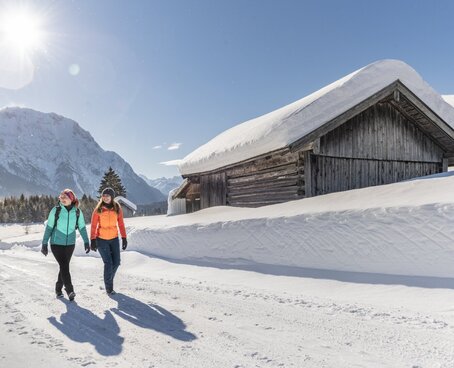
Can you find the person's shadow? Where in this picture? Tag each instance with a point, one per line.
(81, 325)
(151, 316)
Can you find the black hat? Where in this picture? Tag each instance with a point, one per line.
(109, 191)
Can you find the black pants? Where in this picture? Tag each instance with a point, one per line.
(63, 254)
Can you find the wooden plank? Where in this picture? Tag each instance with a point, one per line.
(308, 174)
(243, 173)
(273, 161)
(265, 193)
(264, 196)
(444, 165)
(289, 171)
(300, 171)
(251, 191)
(255, 204)
(271, 182)
(204, 192)
(265, 185)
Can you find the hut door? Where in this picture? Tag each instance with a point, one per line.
(212, 190)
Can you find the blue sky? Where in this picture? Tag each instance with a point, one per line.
(146, 76)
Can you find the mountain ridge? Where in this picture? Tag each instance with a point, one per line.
(42, 153)
(163, 184)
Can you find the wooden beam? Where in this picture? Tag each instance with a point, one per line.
(263, 169)
(438, 122)
(307, 174)
(180, 193)
(445, 165)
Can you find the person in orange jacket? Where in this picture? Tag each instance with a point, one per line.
(106, 220)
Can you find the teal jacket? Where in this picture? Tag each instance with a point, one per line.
(65, 231)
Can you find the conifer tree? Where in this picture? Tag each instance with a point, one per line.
(112, 180)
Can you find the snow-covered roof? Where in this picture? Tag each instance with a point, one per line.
(288, 124)
(449, 99)
(175, 193)
(126, 202)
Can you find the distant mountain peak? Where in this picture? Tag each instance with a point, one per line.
(42, 153)
(164, 185)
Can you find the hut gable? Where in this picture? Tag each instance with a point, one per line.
(378, 146)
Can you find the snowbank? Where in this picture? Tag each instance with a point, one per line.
(28, 235)
(281, 127)
(402, 229)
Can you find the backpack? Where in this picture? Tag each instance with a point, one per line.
(57, 215)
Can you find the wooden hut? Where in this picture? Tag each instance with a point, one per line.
(129, 208)
(396, 131)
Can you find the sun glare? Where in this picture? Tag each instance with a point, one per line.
(22, 31)
(23, 42)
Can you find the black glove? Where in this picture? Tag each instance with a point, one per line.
(87, 248)
(124, 243)
(44, 249)
(93, 245)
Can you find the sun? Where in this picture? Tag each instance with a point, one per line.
(24, 42)
(22, 30)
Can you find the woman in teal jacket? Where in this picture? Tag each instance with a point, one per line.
(61, 227)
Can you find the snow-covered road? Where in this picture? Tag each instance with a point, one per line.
(176, 315)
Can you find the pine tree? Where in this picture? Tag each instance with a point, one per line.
(112, 180)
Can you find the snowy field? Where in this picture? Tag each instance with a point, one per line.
(363, 278)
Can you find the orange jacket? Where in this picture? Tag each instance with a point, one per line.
(104, 224)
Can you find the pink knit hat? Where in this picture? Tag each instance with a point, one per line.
(70, 194)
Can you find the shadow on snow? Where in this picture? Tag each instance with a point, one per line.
(82, 325)
(151, 316)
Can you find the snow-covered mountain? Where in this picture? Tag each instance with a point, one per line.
(164, 185)
(42, 153)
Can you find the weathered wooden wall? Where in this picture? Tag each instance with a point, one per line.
(382, 133)
(276, 178)
(378, 146)
(333, 174)
(193, 195)
(212, 190)
(127, 212)
(192, 205)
